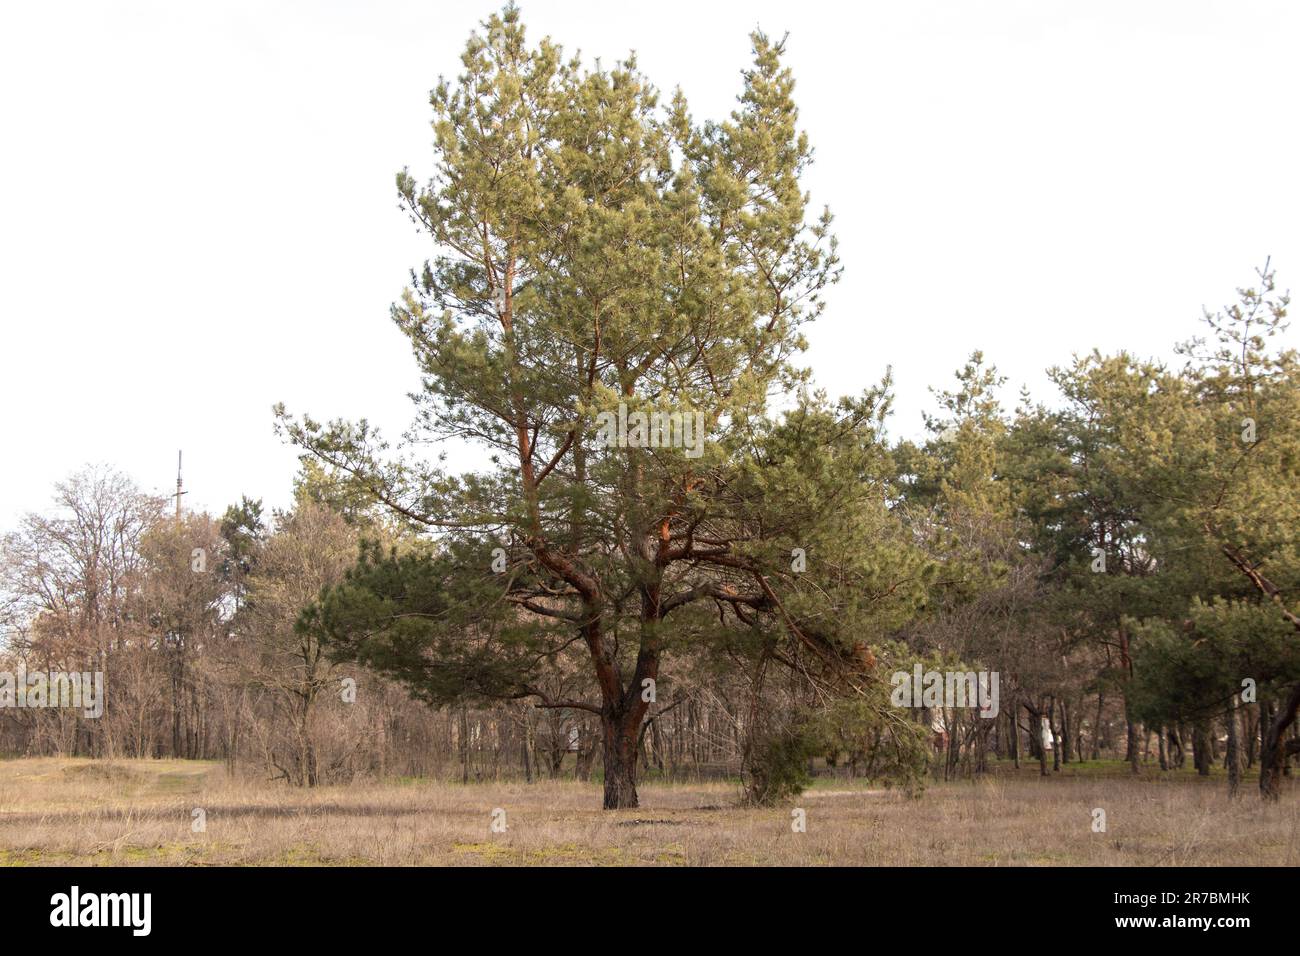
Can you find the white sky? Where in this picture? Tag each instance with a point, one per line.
(198, 219)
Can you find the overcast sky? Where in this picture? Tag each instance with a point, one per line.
(198, 217)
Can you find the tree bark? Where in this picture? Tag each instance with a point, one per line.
(1272, 752)
(1201, 749)
(1096, 727)
(1013, 736)
(1065, 732)
(1234, 748)
(620, 750)
(1131, 746)
(1056, 737)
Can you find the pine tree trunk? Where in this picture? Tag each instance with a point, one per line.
(1096, 727)
(1131, 750)
(620, 753)
(1065, 732)
(1251, 720)
(1234, 749)
(1273, 750)
(1201, 747)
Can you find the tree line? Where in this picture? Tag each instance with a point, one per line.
(1120, 552)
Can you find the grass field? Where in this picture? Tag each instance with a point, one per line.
(62, 811)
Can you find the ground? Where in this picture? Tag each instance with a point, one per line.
(68, 811)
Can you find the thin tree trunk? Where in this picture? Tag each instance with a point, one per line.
(1273, 752)
(1096, 727)
(1013, 737)
(1065, 733)
(1201, 742)
(1131, 747)
(1234, 749)
(1056, 738)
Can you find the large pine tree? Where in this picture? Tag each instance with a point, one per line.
(600, 256)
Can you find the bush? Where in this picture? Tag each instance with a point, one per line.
(777, 764)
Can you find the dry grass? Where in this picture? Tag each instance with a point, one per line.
(57, 811)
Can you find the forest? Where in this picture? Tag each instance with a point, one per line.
(1122, 557)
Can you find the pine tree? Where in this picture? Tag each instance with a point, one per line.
(600, 258)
